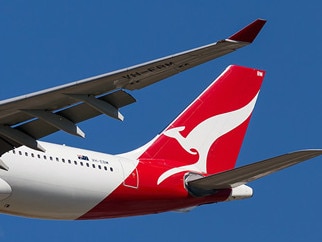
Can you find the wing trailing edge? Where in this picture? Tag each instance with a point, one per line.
(27, 118)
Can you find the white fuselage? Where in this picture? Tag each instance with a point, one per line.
(46, 185)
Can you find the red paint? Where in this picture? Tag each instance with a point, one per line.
(249, 33)
(231, 91)
(149, 198)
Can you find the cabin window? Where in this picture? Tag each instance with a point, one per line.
(105, 168)
(63, 160)
(57, 159)
(87, 164)
(75, 162)
(93, 165)
(20, 153)
(81, 163)
(32, 155)
(111, 168)
(26, 153)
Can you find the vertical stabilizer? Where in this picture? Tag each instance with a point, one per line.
(207, 135)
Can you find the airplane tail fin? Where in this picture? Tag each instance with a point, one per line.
(206, 137)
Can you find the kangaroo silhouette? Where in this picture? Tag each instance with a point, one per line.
(210, 130)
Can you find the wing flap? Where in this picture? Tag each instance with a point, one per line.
(38, 128)
(248, 173)
(6, 144)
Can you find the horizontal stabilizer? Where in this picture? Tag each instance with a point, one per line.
(248, 173)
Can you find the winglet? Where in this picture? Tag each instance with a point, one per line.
(249, 33)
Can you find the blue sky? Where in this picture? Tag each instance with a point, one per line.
(45, 44)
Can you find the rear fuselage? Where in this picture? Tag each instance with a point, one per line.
(69, 183)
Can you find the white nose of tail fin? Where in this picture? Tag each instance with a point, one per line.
(206, 137)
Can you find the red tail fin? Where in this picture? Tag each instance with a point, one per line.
(207, 136)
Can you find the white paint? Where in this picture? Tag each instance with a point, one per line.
(5, 189)
(52, 189)
(204, 135)
(240, 192)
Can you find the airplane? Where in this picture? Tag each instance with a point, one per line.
(190, 163)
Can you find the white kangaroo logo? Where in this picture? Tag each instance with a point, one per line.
(200, 139)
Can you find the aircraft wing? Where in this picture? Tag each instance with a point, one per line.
(242, 175)
(26, 118)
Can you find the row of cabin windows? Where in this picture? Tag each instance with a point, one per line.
(81, 163)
